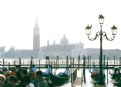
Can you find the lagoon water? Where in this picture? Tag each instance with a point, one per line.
(88, 79)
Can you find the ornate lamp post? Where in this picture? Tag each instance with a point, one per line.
(101, 34)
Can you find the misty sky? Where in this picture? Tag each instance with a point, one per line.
(56, 18)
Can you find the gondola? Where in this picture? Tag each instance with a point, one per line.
(60, 78)
(115, 76)
(46, 73)
(95, 73)
(66, 73)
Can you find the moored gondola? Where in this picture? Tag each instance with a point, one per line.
(115, 76)
(95, 74)
(60, 78)
(47, 71)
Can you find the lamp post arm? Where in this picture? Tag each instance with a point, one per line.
(92, 39)
(109, 39)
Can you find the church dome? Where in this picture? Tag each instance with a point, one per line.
(64, 40)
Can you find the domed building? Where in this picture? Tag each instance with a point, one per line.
(64, 40)
(62, 49)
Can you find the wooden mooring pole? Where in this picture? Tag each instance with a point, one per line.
(58, 61)
(31, 62)
(19, 62)
(88, 61)
(114, 60)
(71, 72)
(39, 64)
(66, 61)
(3, 65)
(47, 59)
(9, 66)
(107, 70)
(104, 61)
(78, 62)
(84, 58)
(120, 61)
(73, 63)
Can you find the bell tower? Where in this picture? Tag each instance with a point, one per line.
(36, 37)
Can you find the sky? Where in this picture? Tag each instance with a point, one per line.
(56, 18)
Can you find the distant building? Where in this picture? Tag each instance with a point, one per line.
(24, 53)
(2, 50)
(36, 37)
(63, 49)
(110, 53)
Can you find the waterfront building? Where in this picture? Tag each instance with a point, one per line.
(62, 49)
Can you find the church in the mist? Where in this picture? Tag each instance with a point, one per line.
(62, 49)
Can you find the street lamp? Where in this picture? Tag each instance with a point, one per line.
(101, 34)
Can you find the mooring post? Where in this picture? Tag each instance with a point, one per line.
(20, 62)
(58, 61)
(73, 63)
(104, 62)
(71, 72)
(120, 62)
(88, 61)
(114, 61)
(51, 66)
(3, 65)
(39, 64)
(54, 67)
(47, 59)
(84, 58)
(66, 61)
(31, 62)
(107, 70)
(9, 66)
(78, 62)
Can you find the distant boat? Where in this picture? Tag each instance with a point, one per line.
(61, 78)
(115, 76)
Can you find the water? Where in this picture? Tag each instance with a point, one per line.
(88, 79)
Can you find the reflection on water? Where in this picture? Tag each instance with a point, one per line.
(88, 79)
